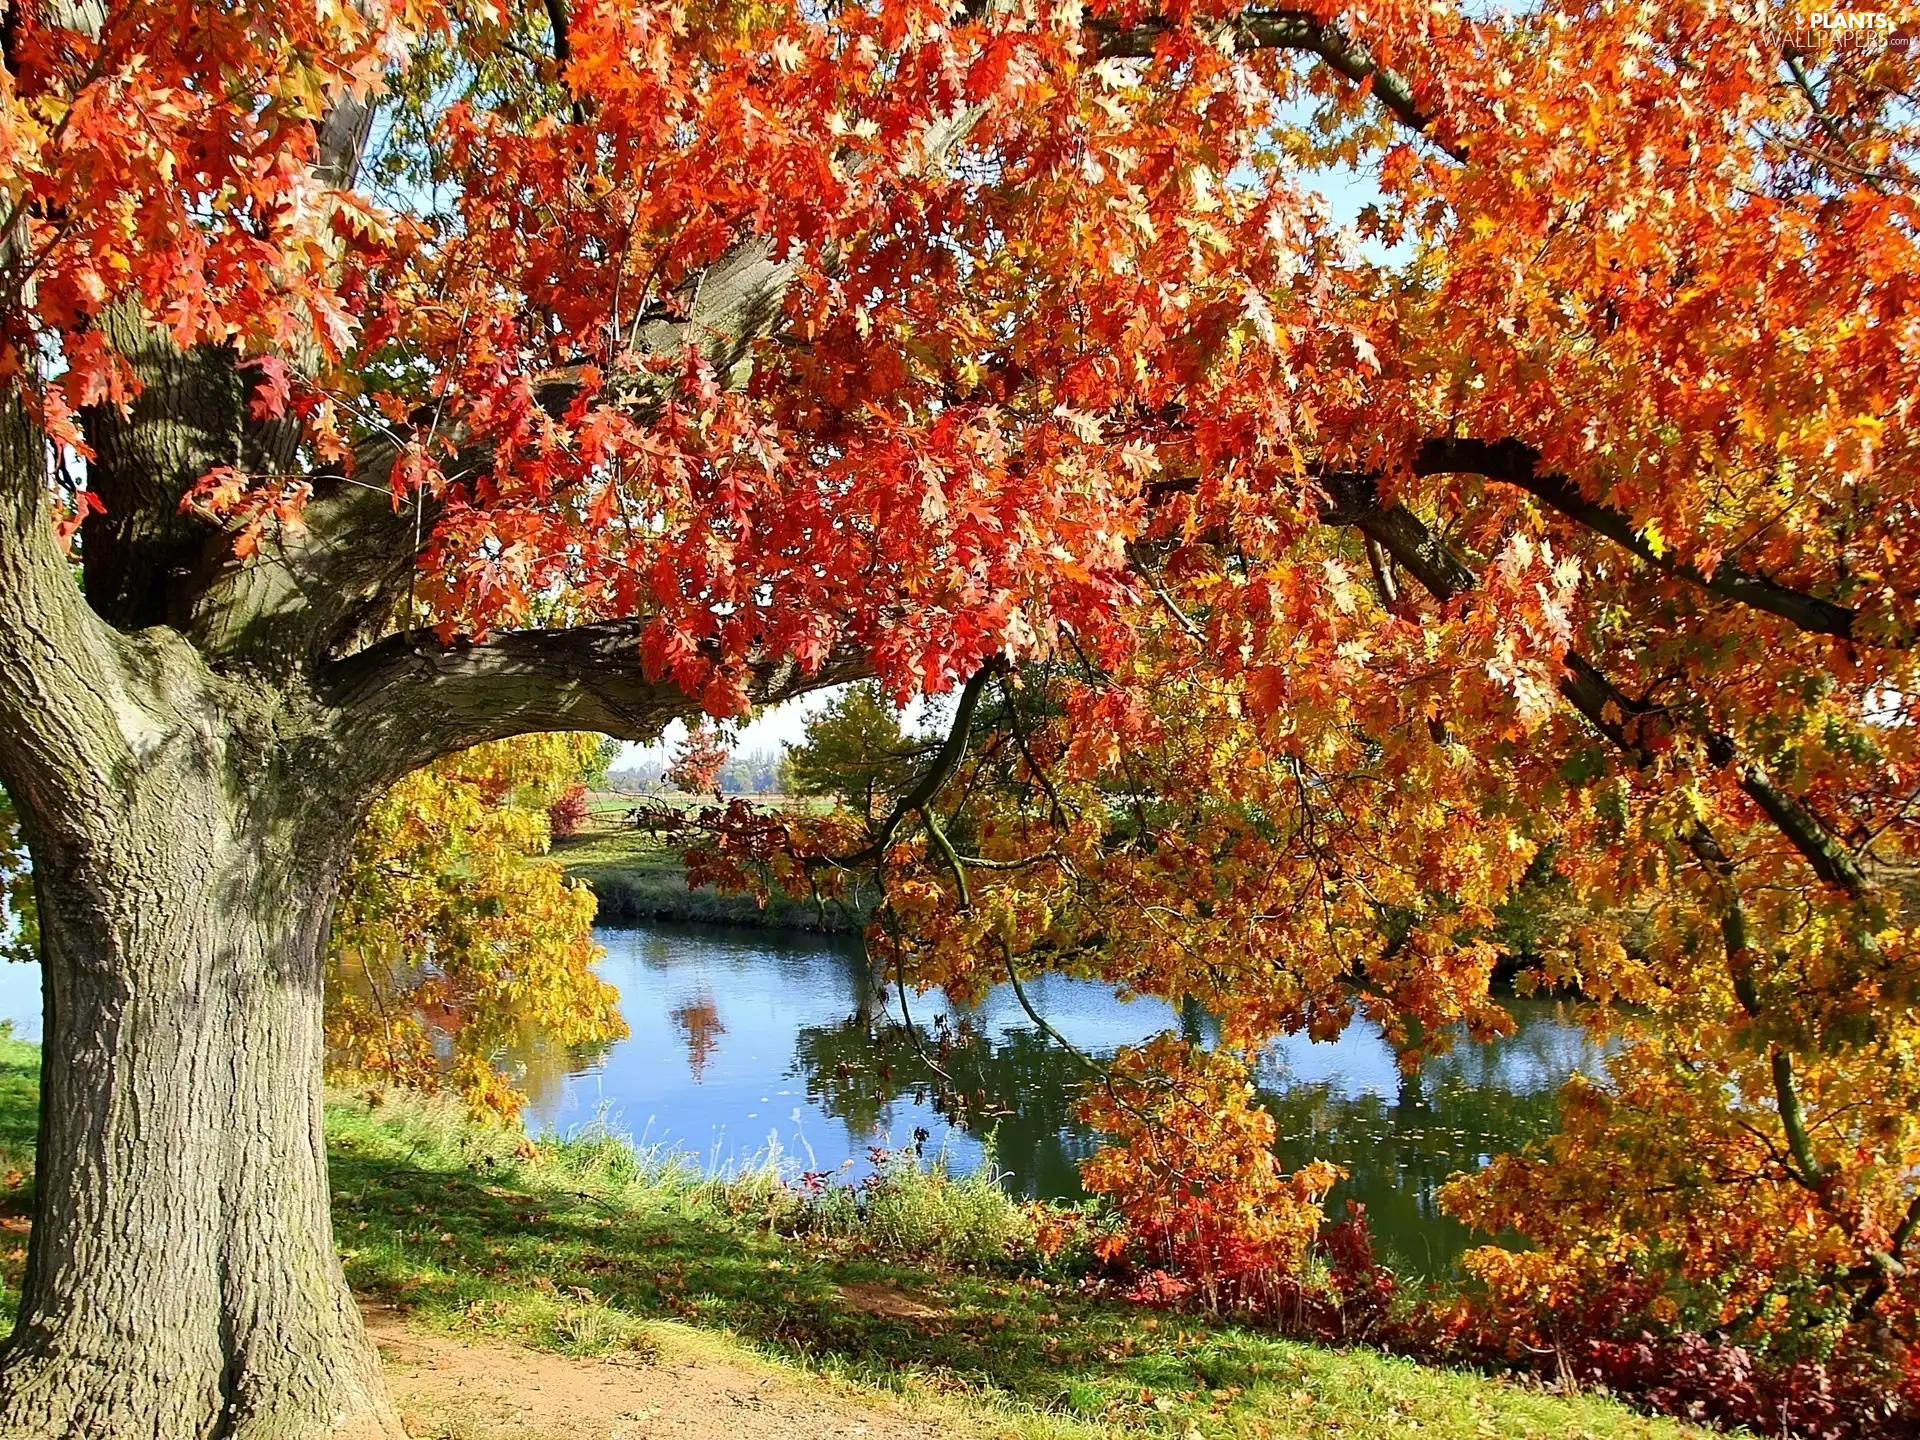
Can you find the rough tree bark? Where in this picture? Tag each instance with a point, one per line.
(188, 831)
(181, 1277)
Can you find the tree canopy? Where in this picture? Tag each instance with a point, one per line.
(855, 752)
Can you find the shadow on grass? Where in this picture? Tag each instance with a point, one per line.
(516, 1252)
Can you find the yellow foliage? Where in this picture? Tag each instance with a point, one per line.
(462, 958)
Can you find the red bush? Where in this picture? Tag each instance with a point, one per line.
(1201, 1266)
(1608, 1341)
(567, 814)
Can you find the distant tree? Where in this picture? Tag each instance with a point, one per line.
(608, 751)
(697, 761)
(854, 751)
(755, 773)
(641, 776)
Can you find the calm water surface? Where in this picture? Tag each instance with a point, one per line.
(750, 1043)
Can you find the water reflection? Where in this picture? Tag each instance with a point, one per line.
(746, 1042)
(699, 1019)
(1016, 1086)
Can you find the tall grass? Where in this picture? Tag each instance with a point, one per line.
(909, 1207)
(919, 1209)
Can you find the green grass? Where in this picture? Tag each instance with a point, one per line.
(574, 1241)
(583, 1247)
(637, 878)
(19, 1107)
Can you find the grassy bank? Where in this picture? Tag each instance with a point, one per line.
(638, 877)
(584, 1248)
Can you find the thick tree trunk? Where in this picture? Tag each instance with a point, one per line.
(181, 1279)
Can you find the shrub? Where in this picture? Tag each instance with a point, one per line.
(1208, 1215)
(1614, 1327)
(567, 814)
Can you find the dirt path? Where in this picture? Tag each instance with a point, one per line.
(451, 1390)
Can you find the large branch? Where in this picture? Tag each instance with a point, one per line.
(1623, 721)
(934, 779)
(74, 715)
(1517, 464)
(1301, 33)
(731, 304)
(271, 444)
(344, 575)
(334, 582)
(410, 699)
(1354, 499)
(188, 416)
(82, 707)
(184, 420)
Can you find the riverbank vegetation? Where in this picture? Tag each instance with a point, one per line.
(944, 1291)
(1203, 1216)
(639, 876)
(1716, 1228)
(854, 753)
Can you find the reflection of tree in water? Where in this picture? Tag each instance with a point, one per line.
(539, 1065)
(1458, 1110)
(1550, 1045)
(1398, 1150)
(1019, 1089)
(699, 1021)
(526, 1050)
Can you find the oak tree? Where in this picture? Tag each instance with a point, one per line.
(392, 378)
